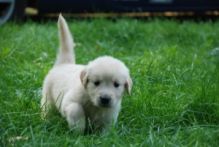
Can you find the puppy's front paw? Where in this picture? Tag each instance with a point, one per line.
(75, 117)
(77, 126)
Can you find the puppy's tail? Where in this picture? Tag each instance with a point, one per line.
(66, 50)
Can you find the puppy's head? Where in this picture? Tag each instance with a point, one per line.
(105, 80)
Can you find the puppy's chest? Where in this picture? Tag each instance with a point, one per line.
(98, 116)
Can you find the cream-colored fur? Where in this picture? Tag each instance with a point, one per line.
(86, 95)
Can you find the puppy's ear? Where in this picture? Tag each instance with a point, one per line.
(84, 78)
(128, 85)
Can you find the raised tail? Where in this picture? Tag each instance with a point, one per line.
(66, 49)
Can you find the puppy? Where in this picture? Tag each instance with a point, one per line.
(85, 95)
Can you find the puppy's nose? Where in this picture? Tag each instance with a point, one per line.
(105, 100)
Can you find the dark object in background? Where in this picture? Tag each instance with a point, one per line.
(15, 8)
(77, 6)
(11, 9)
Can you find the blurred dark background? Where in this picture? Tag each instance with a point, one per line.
(20, 9)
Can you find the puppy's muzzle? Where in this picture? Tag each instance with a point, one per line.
(105, 100)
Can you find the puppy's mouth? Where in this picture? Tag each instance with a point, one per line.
(104, 105)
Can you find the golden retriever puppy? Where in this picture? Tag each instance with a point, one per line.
(85, 95)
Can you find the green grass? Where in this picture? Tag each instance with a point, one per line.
(175, 97)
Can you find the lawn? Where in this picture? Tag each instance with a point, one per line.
(175, 96)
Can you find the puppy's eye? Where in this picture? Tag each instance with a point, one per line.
(97, 83)
(116, 84)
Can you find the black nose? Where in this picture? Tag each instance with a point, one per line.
(105, 100)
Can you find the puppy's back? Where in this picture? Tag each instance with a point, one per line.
(60, 80)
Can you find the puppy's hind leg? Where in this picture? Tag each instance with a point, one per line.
(46, 105)
(75, 116)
